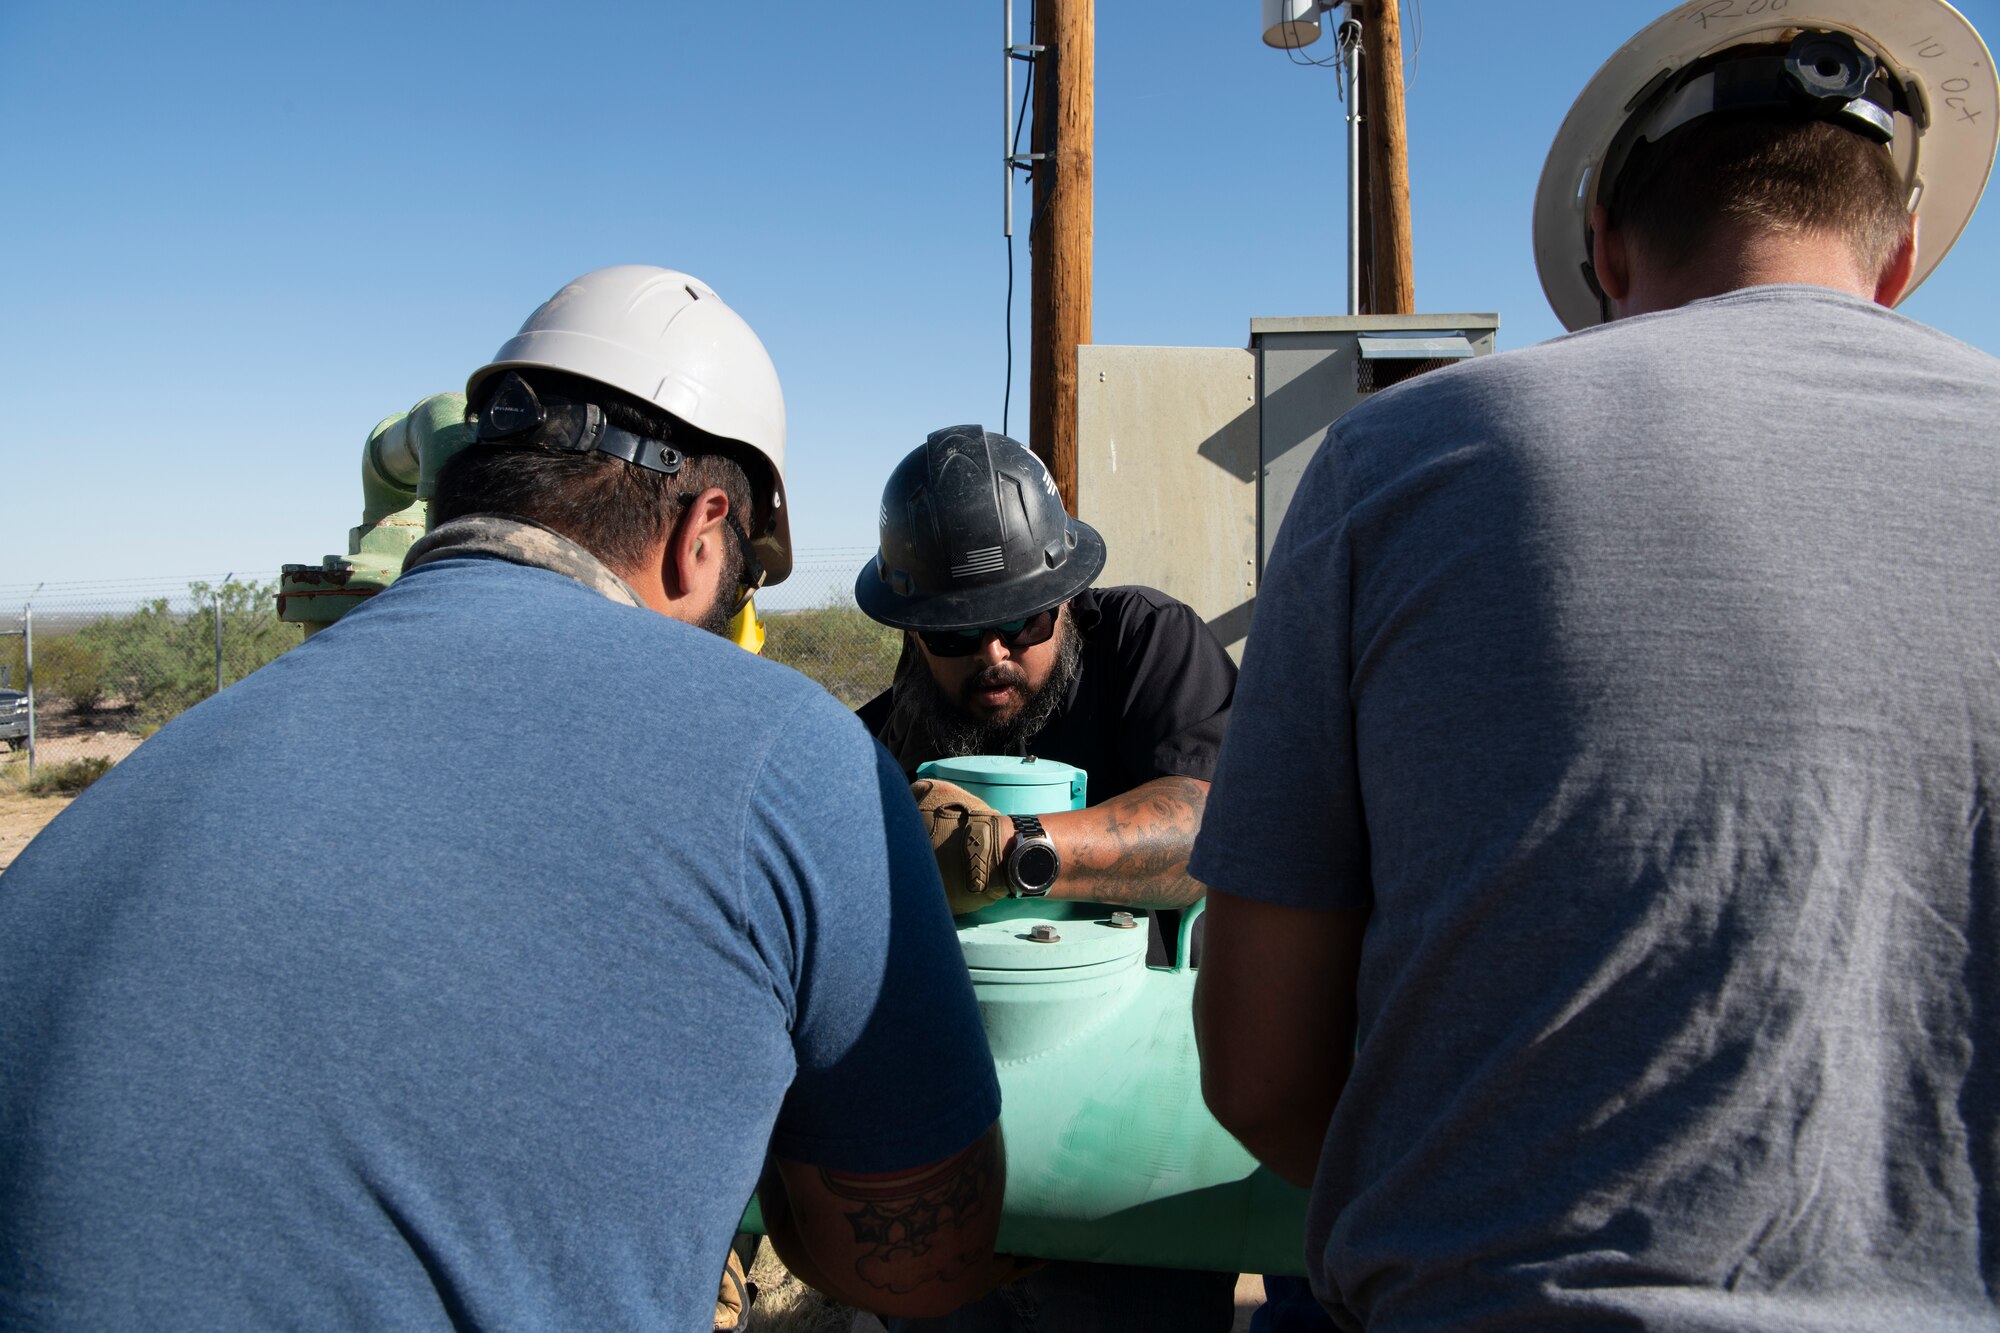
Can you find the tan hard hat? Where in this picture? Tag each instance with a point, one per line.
(1943, 156)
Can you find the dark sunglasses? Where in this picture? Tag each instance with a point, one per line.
(1025, 633)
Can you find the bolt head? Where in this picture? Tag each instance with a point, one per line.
(1043, 934)
(1123, 921)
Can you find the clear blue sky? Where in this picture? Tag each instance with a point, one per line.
(235, 236)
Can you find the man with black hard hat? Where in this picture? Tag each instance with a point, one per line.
(1009, 650)
(1605, 893)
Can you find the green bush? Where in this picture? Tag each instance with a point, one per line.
(838, 646)
(158, 663)
(67, 779)
(69, 668)
(154, 662)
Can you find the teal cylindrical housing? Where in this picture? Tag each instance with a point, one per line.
(1013, 785)
(1112, 1157)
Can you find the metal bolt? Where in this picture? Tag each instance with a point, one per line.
(1121, 921)
(1043, 934)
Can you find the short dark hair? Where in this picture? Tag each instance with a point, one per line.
(1772, 169)
(614, 509)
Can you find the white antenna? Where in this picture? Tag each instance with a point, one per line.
(1291, 24)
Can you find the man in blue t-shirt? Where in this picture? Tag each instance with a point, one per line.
(470, 964)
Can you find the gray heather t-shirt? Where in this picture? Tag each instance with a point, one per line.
(1647, 685)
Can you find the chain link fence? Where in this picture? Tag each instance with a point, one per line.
(115, 661)
(812, 625)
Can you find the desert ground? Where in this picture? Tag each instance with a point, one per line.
(21, 815)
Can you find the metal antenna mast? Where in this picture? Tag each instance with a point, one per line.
(1011, 161)
(1380, 271)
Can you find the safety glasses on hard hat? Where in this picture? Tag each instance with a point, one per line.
(1023, 633)
(518, 418)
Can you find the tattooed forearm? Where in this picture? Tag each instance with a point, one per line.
(917, 1227)
(1132, 850)
(917, 1243)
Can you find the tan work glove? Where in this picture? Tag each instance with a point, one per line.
(733, 1297)
(967, 834)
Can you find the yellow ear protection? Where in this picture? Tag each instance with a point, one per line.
(745, 630)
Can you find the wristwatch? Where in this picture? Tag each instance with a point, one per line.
(1033, 865)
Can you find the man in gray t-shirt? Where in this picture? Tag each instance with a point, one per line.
(1605, 911)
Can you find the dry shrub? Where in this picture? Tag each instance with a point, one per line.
(67, 779)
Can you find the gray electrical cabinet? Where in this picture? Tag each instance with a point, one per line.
(1187, 457)
(1311, 370)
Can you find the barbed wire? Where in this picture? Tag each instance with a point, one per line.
(14, 595)
(20, 592)
(116, 659)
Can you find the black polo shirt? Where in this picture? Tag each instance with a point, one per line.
(1150, 699)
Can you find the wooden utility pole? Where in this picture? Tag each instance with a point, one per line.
(1059, 234)
(1390, 267)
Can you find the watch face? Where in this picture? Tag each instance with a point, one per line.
(1036, 866)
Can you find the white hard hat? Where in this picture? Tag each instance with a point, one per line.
(1942, 146)
(665, 338)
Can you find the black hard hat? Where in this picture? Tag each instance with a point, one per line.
(974, 534)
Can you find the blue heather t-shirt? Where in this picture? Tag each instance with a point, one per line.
(460, 967)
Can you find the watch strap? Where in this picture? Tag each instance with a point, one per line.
(1027, 829)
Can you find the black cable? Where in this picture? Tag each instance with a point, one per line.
(1014, 150)
(1007, 398)
(1296, 54)
(1343, 51)
(1418, 50)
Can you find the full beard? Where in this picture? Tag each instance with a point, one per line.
(956, 732)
